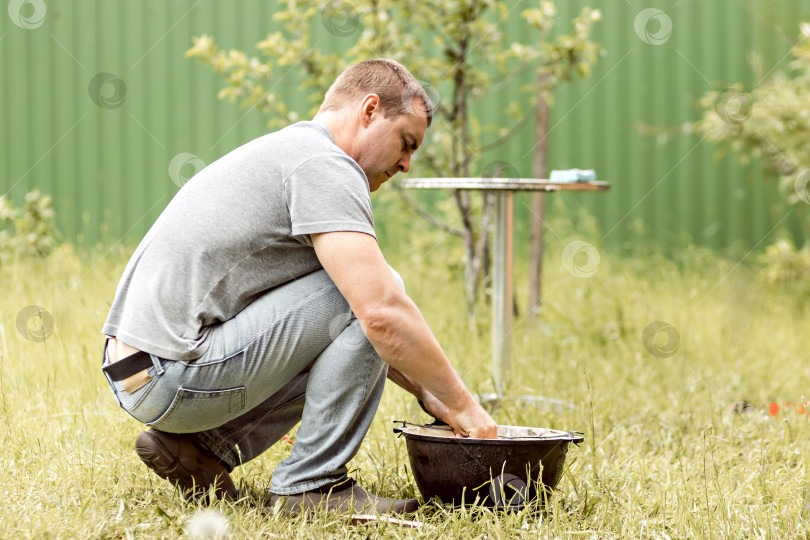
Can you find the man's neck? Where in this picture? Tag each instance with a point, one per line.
(341, 128)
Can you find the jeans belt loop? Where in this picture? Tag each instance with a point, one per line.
(158, 365)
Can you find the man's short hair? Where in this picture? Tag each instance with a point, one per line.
(390, 80)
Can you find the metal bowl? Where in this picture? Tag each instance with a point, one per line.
(505, 472)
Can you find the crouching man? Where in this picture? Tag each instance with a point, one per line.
(260, 299)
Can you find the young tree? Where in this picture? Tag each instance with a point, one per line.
(770, 122)
(457, 47)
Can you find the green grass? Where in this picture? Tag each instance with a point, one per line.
(663, 457)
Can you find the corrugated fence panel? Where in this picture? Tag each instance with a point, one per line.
(97, 99)
(676, 186)
(103, 150)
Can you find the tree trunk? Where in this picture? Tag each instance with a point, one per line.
(482, 249)
(539, 170)
(461, 168)
(462, 199)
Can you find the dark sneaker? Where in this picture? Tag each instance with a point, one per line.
(179, 460)
(345, 496)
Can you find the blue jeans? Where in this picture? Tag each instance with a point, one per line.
(296, 353)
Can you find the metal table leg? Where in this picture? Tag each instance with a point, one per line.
(502, 292)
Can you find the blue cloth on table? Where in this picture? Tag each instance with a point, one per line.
(572, 175)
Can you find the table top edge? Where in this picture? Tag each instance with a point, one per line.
(506, 184)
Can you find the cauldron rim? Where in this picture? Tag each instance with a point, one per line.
(410, 432)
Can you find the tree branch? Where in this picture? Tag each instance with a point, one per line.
(432, 164)
(499, 141)
(505, 80)
(427, 216)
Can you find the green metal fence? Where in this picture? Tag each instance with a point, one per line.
(97, 104)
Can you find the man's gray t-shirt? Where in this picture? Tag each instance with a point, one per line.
(241, 226)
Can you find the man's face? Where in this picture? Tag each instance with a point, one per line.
(387, 144)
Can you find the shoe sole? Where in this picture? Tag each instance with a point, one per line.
(354, 500)
(179, 461)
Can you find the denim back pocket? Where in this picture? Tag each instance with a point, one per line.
(198, 410)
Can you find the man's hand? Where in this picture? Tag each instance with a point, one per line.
(475, 422)
(471, 422)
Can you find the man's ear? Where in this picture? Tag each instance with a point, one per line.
(369, 108)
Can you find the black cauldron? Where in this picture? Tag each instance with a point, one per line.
(505, 472)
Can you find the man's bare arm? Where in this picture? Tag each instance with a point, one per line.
(396, 328)
(429, 402)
